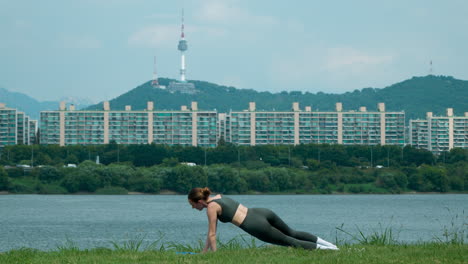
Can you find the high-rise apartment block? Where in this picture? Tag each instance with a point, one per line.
(189, 127)
(16, 127)
(33, 132)
(252, 127)
(192, 127)
(439, 133)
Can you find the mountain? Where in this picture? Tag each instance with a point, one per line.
(415, 96)
(31, 106)
(79, 103)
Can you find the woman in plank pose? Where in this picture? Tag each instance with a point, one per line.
(261, 223)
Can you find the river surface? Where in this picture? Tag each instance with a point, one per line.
(48, 222)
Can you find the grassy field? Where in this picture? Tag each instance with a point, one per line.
(379, 246)
(420, 253)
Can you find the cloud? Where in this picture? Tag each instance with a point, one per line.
(80, 42)
(313, 68)
(213, 19)
(227, 11)
(353, 60)
(155, 35)
(232, 80)
(158, 16)
(167, 35)
(292, 68)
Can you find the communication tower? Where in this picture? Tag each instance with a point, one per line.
(430, 68)
(182, 47)
(155, 82)
(182, 86)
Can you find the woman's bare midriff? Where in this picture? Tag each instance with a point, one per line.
(240, 215)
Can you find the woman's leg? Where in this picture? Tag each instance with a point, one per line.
(266, 226)
(277, 222)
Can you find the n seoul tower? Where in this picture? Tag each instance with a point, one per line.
(182, 47)
(182, 86)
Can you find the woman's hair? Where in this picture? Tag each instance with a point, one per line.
(197, 194)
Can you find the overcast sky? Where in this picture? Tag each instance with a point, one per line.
(99, 49)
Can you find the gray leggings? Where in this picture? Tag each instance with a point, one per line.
(265, 225)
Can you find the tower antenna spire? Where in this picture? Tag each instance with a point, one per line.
(430, 68)
(182, 35)
(182, 47)
(155, 82)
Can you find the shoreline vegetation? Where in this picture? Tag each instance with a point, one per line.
(230, 169)
(379, 246)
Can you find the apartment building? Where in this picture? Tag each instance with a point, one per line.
(15, 127)
(189, 127)
(439, 133)
(192, 127)
(33, 132)
(252, 127)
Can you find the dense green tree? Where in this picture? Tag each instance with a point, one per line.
(392, 180)
(224, 179)
(257, 180)
(49, 174)
(146, 155)
(42, 158)
(183, 178)
(456, 155)
(4, 181)
(313, 164)
(434, 179)
(115, 175)
(170, 162)
(417, 157)
(71, 183)
(279, 179)
(16, 172)
(458, 176)
(81, 180)
(226, 153)
(145, 181)
(415, 182)
(71, 159)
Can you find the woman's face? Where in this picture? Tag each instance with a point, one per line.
(196, 205)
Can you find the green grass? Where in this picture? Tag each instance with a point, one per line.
(379, 246)
(421, 253)
(383, 235)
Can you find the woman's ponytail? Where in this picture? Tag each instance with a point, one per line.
(206, 193)
(197, 194)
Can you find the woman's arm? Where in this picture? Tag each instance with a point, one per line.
(211, 212)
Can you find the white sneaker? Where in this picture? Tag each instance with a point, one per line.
(327, 247)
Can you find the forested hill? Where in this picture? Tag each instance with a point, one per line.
(415, 96)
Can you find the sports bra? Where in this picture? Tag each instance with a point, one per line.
(229, 208)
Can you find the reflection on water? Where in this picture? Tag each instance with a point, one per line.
(49, 221)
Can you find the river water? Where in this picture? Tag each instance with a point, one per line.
(47, 222)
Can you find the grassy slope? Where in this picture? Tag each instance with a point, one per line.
(423, 253)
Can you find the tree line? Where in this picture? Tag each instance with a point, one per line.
(225, 153)
(313, 168)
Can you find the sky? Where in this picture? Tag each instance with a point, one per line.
(100, 49)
